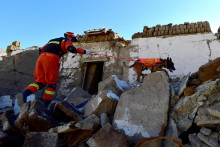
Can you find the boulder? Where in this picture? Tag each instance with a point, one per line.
(34, 116)
(105, 102)
(142, 112)
(65, 112)
(41, 139)
(107, 136)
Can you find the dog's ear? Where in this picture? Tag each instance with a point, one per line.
(167, 58)
(170, 59)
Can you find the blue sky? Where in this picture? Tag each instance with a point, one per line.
(35, 22)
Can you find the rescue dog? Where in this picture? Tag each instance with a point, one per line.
(153, 65)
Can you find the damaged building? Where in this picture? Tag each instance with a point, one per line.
(109, 88)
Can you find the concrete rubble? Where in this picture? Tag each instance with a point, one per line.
(110, 111)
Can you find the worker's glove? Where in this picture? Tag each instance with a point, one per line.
(89, 52)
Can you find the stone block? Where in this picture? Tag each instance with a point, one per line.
(107, 136)
(17, 44)
(11, 48)
(65, 112)
(104, 102)
(7, 119)
(34, 116)
(206, 131)
(41, 139)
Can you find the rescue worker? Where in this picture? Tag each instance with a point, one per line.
(47, 67)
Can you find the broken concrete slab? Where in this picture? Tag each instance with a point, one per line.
(137, 114)
(107, 136)
(5, 101)
(65, 112)
(41, 139)
(105, 102)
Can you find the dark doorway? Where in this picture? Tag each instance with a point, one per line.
(93, 75)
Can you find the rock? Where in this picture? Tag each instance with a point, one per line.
(7, 140)
(104, 119)
(65, 112)
(85, 128)
(142, 112)
(208, 71)
(77, 92)
(104, 102)
(7, 119)
(171, 131)
(189, 91)
(215, 110)
(113, 84)
(41, 139)
(183, 84)
(107, 136)
(208, 140)
(204, 119)
(66, 128)
(185, 110)
(195, 142)
(34, 116)
(206, 131)
(90, 123)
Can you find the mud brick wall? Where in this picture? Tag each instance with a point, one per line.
(169, 29)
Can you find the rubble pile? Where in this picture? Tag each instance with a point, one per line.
(162, 30)
(99, 35)
(196, 113)
(186, 109)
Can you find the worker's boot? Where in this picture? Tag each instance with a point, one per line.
(47, 102)
(22, 97)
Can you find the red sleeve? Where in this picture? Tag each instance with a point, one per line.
(66, 44)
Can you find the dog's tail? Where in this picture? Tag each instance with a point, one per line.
(128, 66)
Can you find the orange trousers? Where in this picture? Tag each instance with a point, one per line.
(46, 72)
(47, 68)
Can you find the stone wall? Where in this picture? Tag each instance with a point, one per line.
(162, 30)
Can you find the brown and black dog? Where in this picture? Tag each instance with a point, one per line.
(154, 65)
